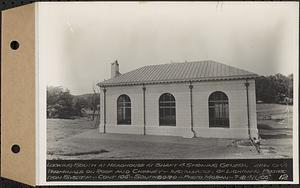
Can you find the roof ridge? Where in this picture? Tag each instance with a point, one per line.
(183, 62)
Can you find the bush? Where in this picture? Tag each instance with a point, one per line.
(60, 103)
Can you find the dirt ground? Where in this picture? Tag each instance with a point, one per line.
(275, 126)
(80, 139)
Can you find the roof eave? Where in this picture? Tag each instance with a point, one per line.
(101, 84)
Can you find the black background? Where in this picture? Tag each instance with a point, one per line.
(171, 170)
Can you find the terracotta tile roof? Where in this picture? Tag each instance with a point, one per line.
(179, 72)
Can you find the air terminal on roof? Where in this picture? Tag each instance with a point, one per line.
(191, 99)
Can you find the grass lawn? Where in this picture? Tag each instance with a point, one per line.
(60, 129)
(80, 139)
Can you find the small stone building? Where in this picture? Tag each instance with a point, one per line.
(191, 99)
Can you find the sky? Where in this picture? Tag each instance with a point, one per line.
(78, 41)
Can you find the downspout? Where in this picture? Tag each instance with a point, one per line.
(104, 111)
(191, 104)
(144, 108)
(248, 117)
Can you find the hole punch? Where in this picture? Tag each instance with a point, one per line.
(15, 148)
(14, 45)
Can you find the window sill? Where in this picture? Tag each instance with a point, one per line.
(220, 127)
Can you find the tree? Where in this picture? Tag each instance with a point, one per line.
(59, 103)
(95, 102)
(79, 105)
(290, 87)
(275, 88)
(265, 90)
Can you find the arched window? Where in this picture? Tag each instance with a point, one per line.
(167, 110)
(124, 110)
(218, 110)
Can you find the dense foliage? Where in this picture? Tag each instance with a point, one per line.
(275, 89)
(61, 104)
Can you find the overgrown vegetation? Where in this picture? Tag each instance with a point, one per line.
(62, 104)
(275, 89)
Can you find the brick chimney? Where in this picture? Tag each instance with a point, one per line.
(115, 69)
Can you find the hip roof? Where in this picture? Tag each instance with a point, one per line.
(179, 72)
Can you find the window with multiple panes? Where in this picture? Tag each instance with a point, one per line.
(218, 110)
(124, 110)
(167, 110)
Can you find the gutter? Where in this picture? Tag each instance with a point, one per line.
(144, 108)
(191, 104)
(104, 111)
(248, 118)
